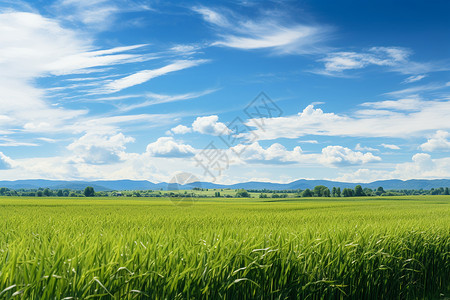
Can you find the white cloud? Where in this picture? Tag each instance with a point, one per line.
(186, 49)
(212, 16)
(32, 46)
(96, 14)
(145, 75)
(419, 89)
(210, 125)
(401, 104)
(169, 147)
(381, 56)
(390, 146)
(331, 156)
(394, 58)
(432, 115)
(274, 154)
(5, 162)
(439, 141)
(181, 129)
(422, 166)
(414, 78)
(358, 147)
(160, 99)
(342, 156)
(96, 148)
(264, 33)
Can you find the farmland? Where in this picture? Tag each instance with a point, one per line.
(358, 248)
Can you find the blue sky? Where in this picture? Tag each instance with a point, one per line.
(229, 91)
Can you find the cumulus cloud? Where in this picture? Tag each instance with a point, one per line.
(5, 162)
(210, 125)
(276, 153)
(169, 147)
(342, 156)
(96, 148)
(439, 141)
(421, 166)
(181, 129)
(263, 33)
(379, 123)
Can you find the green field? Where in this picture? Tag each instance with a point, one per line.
(386, 248)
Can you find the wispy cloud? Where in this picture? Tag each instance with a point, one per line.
(419, 89)
(401, 104)
(35, 46)
(154, 99)
(7, 142)
(395, 59)
(358, 147)
(263, 33)
(390, 146)
(414, 78)
(95, 14)
(381, 56)
(146, 75)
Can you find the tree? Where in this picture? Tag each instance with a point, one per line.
(368, 192)
(307, 193)
(3, 190)
(320, 190)
(447, 192)
(380, 191)
(242, 194)
(333, 191)
(347, 192)
(359, 191)
(39, 193)
(46, 192)
(59, 193)
(89, 191)
(338, 192)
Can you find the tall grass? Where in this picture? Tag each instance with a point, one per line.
(242, 249)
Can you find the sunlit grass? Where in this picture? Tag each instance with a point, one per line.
(385, 248)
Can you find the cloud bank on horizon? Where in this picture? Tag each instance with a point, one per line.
(141, 89)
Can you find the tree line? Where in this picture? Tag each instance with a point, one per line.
(317, 191)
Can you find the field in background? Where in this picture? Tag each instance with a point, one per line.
(367, 248)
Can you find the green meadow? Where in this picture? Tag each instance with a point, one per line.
(225, 248)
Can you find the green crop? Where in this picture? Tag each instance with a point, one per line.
(387, 248)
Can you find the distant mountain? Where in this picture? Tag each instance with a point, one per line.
(122, 185)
